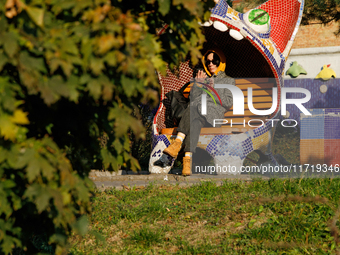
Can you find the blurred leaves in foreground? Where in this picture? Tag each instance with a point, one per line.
(70, 72)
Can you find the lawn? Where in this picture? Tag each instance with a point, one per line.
(277, 216)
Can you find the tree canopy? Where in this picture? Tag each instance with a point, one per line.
(71, 71)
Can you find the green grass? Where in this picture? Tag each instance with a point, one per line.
(292, 216)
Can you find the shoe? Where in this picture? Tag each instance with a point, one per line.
(173, 148)
(186, 166)
(163, 161)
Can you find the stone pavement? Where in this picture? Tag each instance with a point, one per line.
(129, 179)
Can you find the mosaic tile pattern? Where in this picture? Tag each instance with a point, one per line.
(285, 16)
(332, 125)
(313, 126)
(247, 146)
(330, 99)
(320, 137)
(204, 141)
(221, 9)
(332, 151)
(168, 83)
(260, 142)
(161, 142)
(312, 151)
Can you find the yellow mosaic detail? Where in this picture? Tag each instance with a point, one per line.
(268, 44)
(261, 142)
(233, 13)
(204, 140)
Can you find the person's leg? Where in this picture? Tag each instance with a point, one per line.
(191, 139)
(183, 130)
(197, 121)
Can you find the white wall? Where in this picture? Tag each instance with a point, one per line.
(312, 60)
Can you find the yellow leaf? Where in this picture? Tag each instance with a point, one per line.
(106, 42)
(7, 129)
(66, 197)
(20, 117)
(36, 14)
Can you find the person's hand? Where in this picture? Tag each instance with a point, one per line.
(201, 75)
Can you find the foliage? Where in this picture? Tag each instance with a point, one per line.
(315, 11)
(276, 216)
(324, 11)
(141, 148)
(70, 71)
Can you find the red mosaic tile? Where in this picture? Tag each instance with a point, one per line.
(283, 16)
(332, 151)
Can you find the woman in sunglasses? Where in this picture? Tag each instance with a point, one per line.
(189, 129)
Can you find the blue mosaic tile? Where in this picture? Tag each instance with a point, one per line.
(164, 139)
(260, 131)
(335, 111)
(313, 127)
(332, 124)
(327, 100)
(156, 153)
(220, 9)
(247, 146)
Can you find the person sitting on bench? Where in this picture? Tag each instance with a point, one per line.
(214, 63)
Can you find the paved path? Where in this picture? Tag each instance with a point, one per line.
(128, 179)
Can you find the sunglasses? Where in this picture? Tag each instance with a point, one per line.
(214, 61)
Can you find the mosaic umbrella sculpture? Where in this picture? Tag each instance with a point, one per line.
(256, 45)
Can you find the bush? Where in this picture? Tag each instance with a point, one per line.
(71, 71)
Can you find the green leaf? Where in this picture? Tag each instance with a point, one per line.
(67, 67)
(40, 195)
(36, 15)
(3, 154)
(42, 200)
(80, 5)
(109, 159)
(3, 60)
(11, 44)
(49, 93)
(131, 86)
(70, 47)
(164, 6)
(33, 169)
(95, 88)
(111, 58)
(86, 51)
(59, 239)
(81, 225)
(96, 65)
(24, 156)
(251, 223)
(72, 92)
(8, 184)
(46, 168)
(32, 63)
